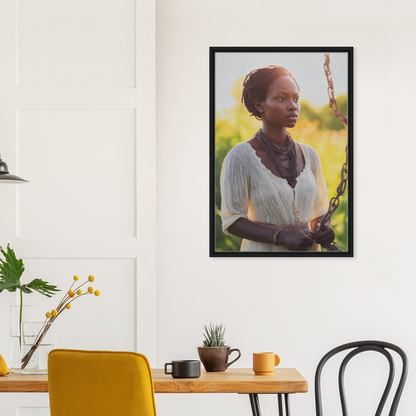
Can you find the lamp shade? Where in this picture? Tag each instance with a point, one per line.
(6, 177)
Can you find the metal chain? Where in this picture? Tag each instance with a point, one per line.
(334, 202)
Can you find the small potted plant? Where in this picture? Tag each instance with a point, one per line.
(214, 353)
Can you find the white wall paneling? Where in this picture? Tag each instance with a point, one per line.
(88, 187)
(31, 405)
(106, 322)
(146, 177)
(33, 411)
(8, 116)
(74, 79)
(76, 98)
(76, 44)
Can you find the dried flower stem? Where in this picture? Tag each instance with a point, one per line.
(66, 300)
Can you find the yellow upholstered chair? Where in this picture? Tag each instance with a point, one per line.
(100, 383)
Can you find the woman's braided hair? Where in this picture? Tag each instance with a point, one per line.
(256, 84)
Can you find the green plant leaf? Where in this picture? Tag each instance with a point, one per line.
(214, 335)
(9, 286)
(41, 287)
(11, 270)
(25, 289)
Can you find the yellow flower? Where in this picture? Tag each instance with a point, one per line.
(79, 291)
(48, 314)
(69, 306)
(90, 289)
(71, 293)
(76, 278)
(54, 312)
(97, 293)
(91, 278)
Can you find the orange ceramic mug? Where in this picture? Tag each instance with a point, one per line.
(265, 362)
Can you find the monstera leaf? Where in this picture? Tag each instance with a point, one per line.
(11, 270)
(41, 287)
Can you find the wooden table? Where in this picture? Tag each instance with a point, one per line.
(283, 382)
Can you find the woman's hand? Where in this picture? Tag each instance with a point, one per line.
(294, 238)
(326, 236)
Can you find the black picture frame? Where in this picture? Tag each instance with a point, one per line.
(218, 62)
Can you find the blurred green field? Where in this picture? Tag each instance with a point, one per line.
(316, 126)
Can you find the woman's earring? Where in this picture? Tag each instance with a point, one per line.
(261, 110)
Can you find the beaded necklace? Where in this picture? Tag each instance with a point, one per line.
(278, 154)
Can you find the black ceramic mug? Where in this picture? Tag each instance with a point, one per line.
(184, 369)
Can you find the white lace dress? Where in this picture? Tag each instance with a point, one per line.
(250, 190)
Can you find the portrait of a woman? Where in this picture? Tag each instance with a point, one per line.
(273, 193)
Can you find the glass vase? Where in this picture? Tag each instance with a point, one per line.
(36, 346)
(27, 314)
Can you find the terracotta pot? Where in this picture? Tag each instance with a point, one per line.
(215, 359)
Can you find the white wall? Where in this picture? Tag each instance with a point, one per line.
(77, 82)
(299, 308)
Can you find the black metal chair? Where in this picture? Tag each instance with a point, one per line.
(359, 347)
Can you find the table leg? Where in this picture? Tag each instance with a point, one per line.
(287, 404)
(255, 404)
(280, 404)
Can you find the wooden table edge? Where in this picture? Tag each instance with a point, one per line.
(19, 383)
(208, 383)
(236, 380)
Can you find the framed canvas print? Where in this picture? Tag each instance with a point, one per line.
(281, 141)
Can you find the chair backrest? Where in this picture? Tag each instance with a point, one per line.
(358, 347)
(102, 383)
